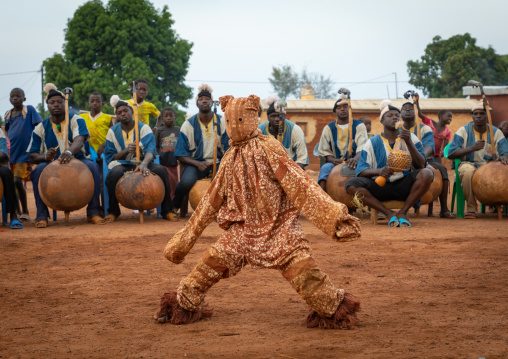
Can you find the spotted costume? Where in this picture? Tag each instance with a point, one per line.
(257, 197)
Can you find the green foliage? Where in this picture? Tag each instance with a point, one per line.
(447, 65)
(42, 112)
(2, 122)
(286, 82)
(107, 47)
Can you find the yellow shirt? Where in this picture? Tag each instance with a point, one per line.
(145, 109)
(98, 128)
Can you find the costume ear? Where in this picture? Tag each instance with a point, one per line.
(252, 103)
(224, 100)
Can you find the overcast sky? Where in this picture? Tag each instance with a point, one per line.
(236, 43)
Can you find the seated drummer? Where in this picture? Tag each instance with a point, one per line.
(120, 152)
(47, 143)
(334, 142)
(194, 147)
(7, 179)
(407, 113)
(407, 186)
(473, 145)
(293, 138)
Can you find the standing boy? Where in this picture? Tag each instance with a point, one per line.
(145, 108)
(20, 122)
(166, 138)
(98, 123)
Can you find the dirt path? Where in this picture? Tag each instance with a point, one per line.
(437, 290)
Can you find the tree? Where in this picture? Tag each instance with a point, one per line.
(447, 65)
(107, 47)
(286, 82)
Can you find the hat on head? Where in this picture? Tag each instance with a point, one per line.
(406, 103)
(51, 91)
(117, 102)
(341, 98)
(204, 90)
(273, 104)
(385, 106)
(478, 106)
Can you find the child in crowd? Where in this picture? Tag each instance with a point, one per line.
(165, 141)
(368, 124)
(503, 126)
(145, 108)
(20, 122)
(98, 123)
(442, 134)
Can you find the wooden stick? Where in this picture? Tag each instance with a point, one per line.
(417, 118)
(66, 126)
(487, 109)
(136, 125)
(215, 130)
(350, 128)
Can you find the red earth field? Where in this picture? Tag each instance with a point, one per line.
(437, 290)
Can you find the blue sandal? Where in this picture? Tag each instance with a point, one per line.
(404, 221)
(16, 224)
(395, 220)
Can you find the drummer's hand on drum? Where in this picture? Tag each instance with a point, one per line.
(337, 161)
(503, 159)
(203, 166)
(65, 157)
(132, 147)
(385, 172)
(143, 169)
(352, 162)
(405, 135)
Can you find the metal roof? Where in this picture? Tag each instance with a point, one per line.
(489, 90)
(428, 104)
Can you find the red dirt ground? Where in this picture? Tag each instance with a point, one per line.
(437, 290)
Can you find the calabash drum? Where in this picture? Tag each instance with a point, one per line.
(435, 188)
(335, 187)
(490, 184)
(135, 191)
(66, 187)
(198, 191)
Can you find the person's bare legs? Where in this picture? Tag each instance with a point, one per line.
(371, 201)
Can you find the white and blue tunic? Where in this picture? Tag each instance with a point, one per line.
(466, 136)
(375, 153)
(335, 139)
(196, 140)
(46, 136)
(293, 141)
(427, 137)
(117, 140)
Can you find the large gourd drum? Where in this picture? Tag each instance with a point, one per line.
(135, 191)
(435, 188)
(198, 191)
(335, 187)
(490, 184)
(66, 187)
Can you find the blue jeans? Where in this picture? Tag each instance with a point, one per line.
(189, 178)
(325, 171)
(93, 205)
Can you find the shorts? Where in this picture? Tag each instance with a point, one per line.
(19, 169)
(391, 191)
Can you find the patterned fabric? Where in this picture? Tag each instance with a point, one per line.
(194, 142)
(466, 136)
(98, 127)
(257, 197)
(46, 136)
(293, 141)
(335, 142)
(375, 153)
(116, 142)
(145, 109)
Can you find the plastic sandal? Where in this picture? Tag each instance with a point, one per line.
(404, 221)
(109, 218)
(470, 215)
(172, 217)
(96, 220)
(16, 224)
(395, 220)
(41, 224)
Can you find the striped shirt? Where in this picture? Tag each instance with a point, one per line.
(117, 141)
(293, 141)
(335, 139)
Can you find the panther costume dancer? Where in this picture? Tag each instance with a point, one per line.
(257, 196)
